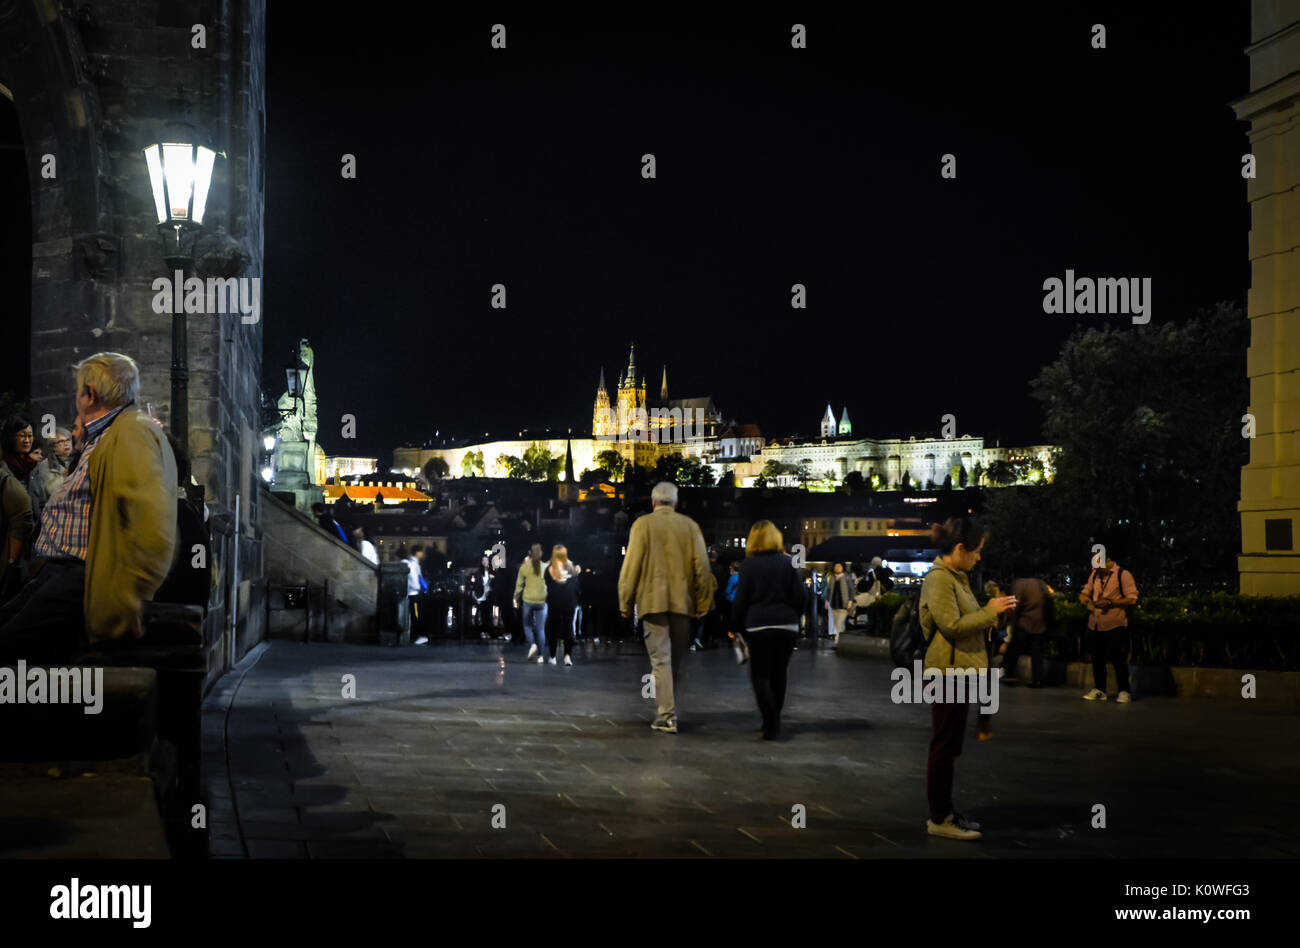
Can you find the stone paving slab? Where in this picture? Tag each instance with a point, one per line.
(438, 739)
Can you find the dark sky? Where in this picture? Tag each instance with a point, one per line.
(775, 166)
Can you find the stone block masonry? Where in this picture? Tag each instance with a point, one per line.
(94, 83)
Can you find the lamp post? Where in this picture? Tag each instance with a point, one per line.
(180, 175)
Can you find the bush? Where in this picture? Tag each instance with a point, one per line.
(1199, 630)
(881, 612)
(1206, 630)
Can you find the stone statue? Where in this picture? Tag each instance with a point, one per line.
(298, 415)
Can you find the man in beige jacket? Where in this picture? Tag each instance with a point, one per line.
(666, 575)
(108, 533)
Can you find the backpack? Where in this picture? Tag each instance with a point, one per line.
(1119, 581)
(907, 641)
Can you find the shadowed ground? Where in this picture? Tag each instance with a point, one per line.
(436, 737)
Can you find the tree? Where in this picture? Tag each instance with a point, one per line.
(772, 470)
(513, 466)
(728, 479)
(1147, 420)
(435, 470)
(855, 483)
(977, 474)
(539, 464)
(613, 462)
(804, 472)
(962, 477)
(947, 482)
(1002, 473)
(467, 464)
(683, 471)
(590, 478)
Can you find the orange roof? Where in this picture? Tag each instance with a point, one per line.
(366, 493)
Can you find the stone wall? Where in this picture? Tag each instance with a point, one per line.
(93, 84)
(298, 553)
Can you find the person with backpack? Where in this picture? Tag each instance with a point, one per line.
(1109, 593)
(955, 627)
(877, 581)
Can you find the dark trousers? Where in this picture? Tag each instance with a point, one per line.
(1110, 646)
(1019, 644)
(949, 721)
(769, 660)
(559, 622)
(45, 623)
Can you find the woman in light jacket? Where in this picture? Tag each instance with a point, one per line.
(954, 625)
(531, 584)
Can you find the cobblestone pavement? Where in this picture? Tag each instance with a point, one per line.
(416, 764)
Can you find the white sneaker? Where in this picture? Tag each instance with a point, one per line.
(540, 659)
(568, 659)
(422, 640)
(552, 661)
(532, 650)
(1096, 695)
(1124, 698)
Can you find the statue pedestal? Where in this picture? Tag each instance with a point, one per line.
(292, 475)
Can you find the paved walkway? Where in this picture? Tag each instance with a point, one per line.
(436, 738)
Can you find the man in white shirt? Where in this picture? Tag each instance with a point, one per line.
(364, 546)
(415, 585)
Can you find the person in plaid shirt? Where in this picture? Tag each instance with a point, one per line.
(107, 534)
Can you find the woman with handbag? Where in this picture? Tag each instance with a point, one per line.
(769, 600)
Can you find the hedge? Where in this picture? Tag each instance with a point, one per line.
(1205, 630)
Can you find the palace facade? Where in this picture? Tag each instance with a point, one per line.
(643, 429)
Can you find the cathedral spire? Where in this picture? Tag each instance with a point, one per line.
(601, 386)
(631, 365)
(568, 458)
(663, 389)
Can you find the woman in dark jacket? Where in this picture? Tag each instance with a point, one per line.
(770, 598)
(18, 444)
(562, 601)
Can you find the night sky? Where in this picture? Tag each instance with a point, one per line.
(775, 166)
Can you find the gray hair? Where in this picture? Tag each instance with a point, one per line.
(114, 377)
(665, 493)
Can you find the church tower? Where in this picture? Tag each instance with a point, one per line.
(846, 426)
(663, 387)
(828, 423)
(631, 394)
(600, 420)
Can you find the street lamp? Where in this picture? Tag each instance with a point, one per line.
(180, 176)
(295, 373)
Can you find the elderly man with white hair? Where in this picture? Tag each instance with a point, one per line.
(666, 575)
(108, 532)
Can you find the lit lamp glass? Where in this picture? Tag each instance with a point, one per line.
(180, 176)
